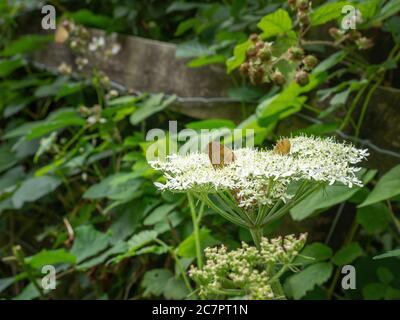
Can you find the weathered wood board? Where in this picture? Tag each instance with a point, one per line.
(144, 65)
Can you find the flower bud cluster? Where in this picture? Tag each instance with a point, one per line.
(352, 35)
(247, 270)
(260, 65)
(93, 115)
(303, 8)
(86, 46)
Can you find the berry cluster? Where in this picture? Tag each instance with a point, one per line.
(303, 11)
(260, 65)
(352, 36)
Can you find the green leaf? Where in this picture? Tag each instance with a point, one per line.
(152, 105)
(314, 252)
(327, 12)
(69, 88)
(326, 197)
(175, 289)
(385, 275)
(7, 157)
(52, 257)
(306, 280)
(136, 242)
(374, 218)
(159, 214)
(9, 180)
(90, 19)
(6, 282)
(171, 221)
(28, 293)
(374, 291)
(239, 56)
(57, 120)
(285, 103)
(88, 242)
(26, 44)
(329, 62)
(9, 66)
(387, 187)
(347, 254)
(33, 189)
(187, 247)
(389, 254)
(388, 10)
(245, 93)
(275, 23)
(206, 60)
(192, 49)
(155, 281)
(118, 248)
(118, 186)
(211, 124)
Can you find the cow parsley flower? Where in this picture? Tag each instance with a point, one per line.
(260, 186)
(247, 272)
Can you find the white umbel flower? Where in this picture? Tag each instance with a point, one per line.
(262, 177)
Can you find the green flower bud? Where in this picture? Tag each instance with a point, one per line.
(278, 78)
(364, 43)
(310, 62)
(244, 68)
(254, 37)
(303, 5)
(295, 53)
(251, 52)
(302, 78)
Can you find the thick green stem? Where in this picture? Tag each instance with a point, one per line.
(256, 234)
(196, 233)
(278, 290)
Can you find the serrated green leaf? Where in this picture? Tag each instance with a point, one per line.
(26, 44)
(347, 254)
(187, 247)
(33, 189)
(275, 23)
(374, 218)
(88, 242)
(306, 280)
(387, 187)
(327, 12)
(389, 254)
(51, 257)
(155, 281)
(314, 252)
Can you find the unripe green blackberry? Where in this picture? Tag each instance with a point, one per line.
(257, 76)
(302, 78)
(265, 54)
(295, 54)
(254, 37)
(251, 52)
(302, 5)
(260, 44)
(354, 35)
(278, 78)
(310, 61)
(364, 43)
(244, 68)
(304, 18)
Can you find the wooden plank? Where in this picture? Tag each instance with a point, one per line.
(144, 65)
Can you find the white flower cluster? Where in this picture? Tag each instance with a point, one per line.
(246, 271)
(259, 177)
